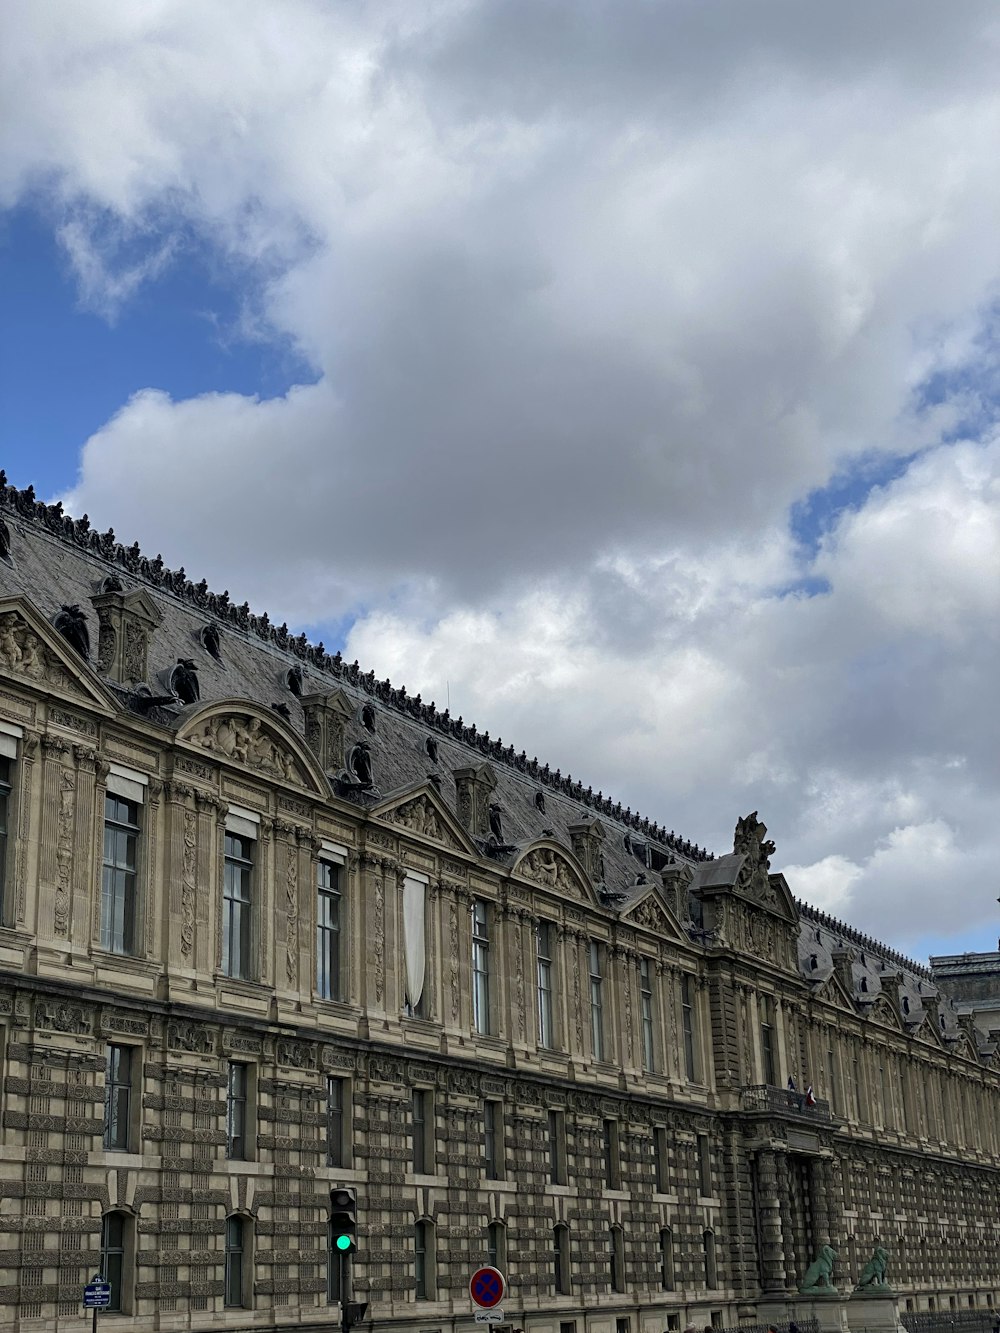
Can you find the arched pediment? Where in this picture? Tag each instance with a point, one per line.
(242, 733)
(553, 867)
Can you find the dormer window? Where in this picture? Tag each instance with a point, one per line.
(906, 1005)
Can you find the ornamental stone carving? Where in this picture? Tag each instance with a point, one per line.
(245, 740)
(23, 653)
(751, 842)
(545, 866)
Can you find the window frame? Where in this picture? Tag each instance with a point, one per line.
(116, 1256)
(688, 1024)
(493, 1139)
(237, 1109)
(424, 1157)
(616, 1274)
(595, 965)
(496, 1245)
(768, 1040)
(668, 1274)
(711, 1259)
(116, 1090)
(339, 1116)
(120, 877)
(647, 1026)
(661, 1162)
(8, 767)
(562, 1277)
(424, 1275)
(557, 1146)
(612, 1154)
(543, 985)
(239, 907)
(238, 1224)
(329, 957)
(481, 961)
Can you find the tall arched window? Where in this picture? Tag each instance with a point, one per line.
(560, 1259)
(666, 1259)
(711, 1270)
(616, 1246)
(423, 1260)
(237, 1261)
(115, 1241)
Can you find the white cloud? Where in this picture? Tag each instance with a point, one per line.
(593, 296)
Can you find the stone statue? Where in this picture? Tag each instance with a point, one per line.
(819, 1275)
(4, 541)
(72, 625)
(873, 1274)
(184, 681)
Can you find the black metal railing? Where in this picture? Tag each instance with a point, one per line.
(803, 1326)
(762, 1097)
(944, 1321)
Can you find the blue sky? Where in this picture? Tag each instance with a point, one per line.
(645, 405)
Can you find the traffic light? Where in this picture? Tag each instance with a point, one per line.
(344, 1218)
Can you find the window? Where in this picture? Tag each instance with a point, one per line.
(113, 1235)
(560, 1259)
(236, 1112)
(616, 1247)
(646, 1013)
(237, 906)
(493, 1140)
(118, 885)
(612, 1159)
(328, 931)
(596, 1002)
(769, 1067)
(496, 1246)
(543, 945)
(711, 1272)
(423, 1260)
(117, 1097)
(666, 1259)
(337, 1122)
(557, 1148)
(6, 775)
(480, 967)
(423, 1132)
(623, 1324)
(661, 1163)
(831, 1079)
(235, 1245)
(704, 1167)
(687, 1026)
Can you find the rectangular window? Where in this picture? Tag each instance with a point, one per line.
(687, 1027)
(113, 1258)
(560, 1259)
(596, 1002)
(423, 1261)
(493, 1140)
(328, 931)
(612, 1158)
(480, 967)
(831, 1079)
(337, 1122)
(6, 786)
(117, 1097)
(237, 907)
(704, 1167)
(646, 1014)
(543, 938)
(661, 1164)
(423, 1132)
(667, 1259)
(496, 1246)
(557, 1148)
(119, 875)
(769, 1062)
(236, 1112)
(235, 1230)
(334, 1264)
(616, 1245)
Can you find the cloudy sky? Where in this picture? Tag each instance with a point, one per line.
(622, 373)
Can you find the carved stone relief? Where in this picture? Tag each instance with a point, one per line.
(419, 816)
(64, 850)
(189, 881)
(23, 653)
(245, 741)
(545, 866)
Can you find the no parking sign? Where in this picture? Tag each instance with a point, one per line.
(487, 1286)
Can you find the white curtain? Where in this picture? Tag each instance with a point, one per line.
(413, 937)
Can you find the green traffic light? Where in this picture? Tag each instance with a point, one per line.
(343, 1242)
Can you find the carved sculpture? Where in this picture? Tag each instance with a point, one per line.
(210, 641)
(245, 742)
(874, 1271)
(294, 681)
(184, 681)
(71, 622)
(819, 1275)
(550, 870)
(419, 816)
(496, 821)
(750, 841)
(360, 763)
(4, 541)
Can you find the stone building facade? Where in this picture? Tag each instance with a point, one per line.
(269, 926)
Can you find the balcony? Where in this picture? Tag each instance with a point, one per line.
(781, 1101)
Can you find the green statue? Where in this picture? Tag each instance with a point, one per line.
(819, 1274)
(874, 1271)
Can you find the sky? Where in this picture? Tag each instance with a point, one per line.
(622, 374)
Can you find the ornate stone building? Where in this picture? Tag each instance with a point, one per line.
(269, 926)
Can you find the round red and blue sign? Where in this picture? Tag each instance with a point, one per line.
(487, 1286)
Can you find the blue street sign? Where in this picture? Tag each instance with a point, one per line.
(97, 1295)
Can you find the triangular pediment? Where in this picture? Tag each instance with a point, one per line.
(652, 913)
(965, 1047)
(137, 603)
(243, 734)
(37, 656)
(835, 992)
(929, 1031)
(421, 811)
(337, 701)
(552, 866)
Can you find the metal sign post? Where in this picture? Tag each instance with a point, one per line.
(96, 1296)
(487, 1287)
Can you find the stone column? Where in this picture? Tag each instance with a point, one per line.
(772, 1244)
(819, 1200)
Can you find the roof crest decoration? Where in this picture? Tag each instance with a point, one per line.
(106, 546)
(865, 941)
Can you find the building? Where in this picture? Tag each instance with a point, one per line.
(270, 926)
